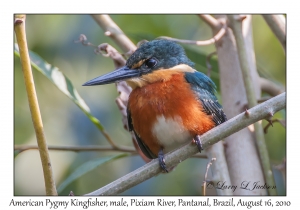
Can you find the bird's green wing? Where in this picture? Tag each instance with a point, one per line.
(204, 89)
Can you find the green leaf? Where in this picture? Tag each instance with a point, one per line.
(86, 167)
(62, 82)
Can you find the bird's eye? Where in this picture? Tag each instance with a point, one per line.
(150, 63)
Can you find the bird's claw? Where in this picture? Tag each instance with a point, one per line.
(161, 159)
(197, 141)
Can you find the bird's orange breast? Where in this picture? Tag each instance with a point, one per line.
(172, 99)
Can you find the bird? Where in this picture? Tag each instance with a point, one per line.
(171, 103)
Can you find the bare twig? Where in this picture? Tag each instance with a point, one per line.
(220, 167)
(205, 176)
(23, 148)
(83, 40)
(282, 122)
(211, 21)
(263, 99)
(270, 87)
(211, 137)
(114, 32)
(277, 25)
(88, 148)
(34, 105)
(242, 54)
(111, 52)
(236, 26)
(213, 40)
(110, 141)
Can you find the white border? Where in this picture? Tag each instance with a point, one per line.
(154, 6)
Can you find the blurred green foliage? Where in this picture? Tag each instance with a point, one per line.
(51, 37)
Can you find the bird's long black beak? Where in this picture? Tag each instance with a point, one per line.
(114, 76)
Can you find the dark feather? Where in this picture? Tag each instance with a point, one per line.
(140, 142)
(204, 88)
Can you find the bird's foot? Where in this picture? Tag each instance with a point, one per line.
(161, 159)
(197, 141)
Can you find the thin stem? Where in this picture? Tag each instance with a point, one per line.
(114, 32)
(19, 27)
(211, 137)
(263, 99)
(205, 176)
(236, 25)
(104, 133)
(213, 40)
(211, 21)
(89, 148)
(282, 122)
(110, 141)
(277, 25)
(270, 87)
(23, 148)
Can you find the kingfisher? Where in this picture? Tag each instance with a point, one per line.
(171, 103)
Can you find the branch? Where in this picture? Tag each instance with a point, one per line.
(89, 148)
(282, 122)
(23, 148)
(270, 87)
(231, 126)
(277, 25)
(213, 40)
(19, 26)
(263, 99)
(236, 25)
(114, 32)
(204, 184)
(211, 21)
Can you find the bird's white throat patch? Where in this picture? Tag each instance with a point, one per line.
(170, 132)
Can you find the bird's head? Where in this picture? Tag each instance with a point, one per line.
(150, 62)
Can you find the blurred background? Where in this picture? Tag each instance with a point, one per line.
(52, 37)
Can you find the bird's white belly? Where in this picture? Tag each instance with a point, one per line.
(170, 132)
